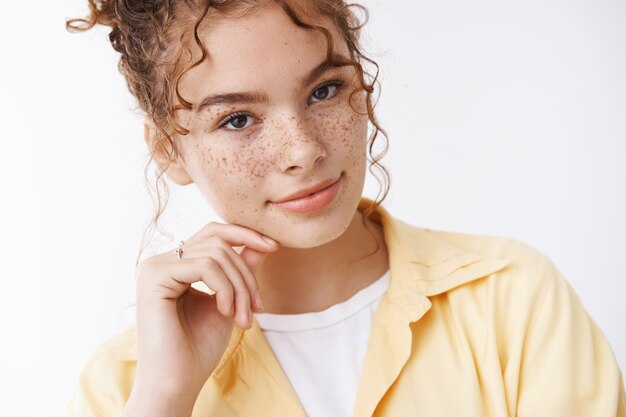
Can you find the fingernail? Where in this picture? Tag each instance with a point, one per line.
(269, 240)
(257, 300)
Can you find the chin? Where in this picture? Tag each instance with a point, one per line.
(315, 229)
(311, 236)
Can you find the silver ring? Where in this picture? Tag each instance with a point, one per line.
(179, 250)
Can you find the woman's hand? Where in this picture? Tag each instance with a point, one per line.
(182, 332)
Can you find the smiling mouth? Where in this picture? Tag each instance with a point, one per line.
(311, 201)
(306, 192)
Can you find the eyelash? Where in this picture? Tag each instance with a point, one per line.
(338, 84)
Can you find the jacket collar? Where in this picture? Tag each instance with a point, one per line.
(421, 261)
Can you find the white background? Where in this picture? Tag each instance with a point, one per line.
(505, 118)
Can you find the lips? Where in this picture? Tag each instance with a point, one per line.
(308, 191)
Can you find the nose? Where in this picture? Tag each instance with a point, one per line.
(300, 149)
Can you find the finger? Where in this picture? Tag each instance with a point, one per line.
(202, 249)
(181, 274)
(217, 279)
(235, 235)
(242, 293)
(248, 277)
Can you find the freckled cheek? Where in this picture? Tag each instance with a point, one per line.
(233, 182)
(341, 129)
(234, 167)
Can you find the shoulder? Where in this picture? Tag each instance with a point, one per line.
(118, 350)
(440, 261)
(551, 354)
(107, 377)
(523, 281)
(529, 290)
(485, 278)
(491, 245)
(437, 262)
(527, 267)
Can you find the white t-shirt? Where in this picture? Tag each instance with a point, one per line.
(322, 353)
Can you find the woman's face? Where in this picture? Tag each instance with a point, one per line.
(290, 128)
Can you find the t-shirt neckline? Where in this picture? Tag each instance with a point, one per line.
(328, 317)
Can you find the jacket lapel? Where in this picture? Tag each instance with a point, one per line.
(421, 265)
(252, 380)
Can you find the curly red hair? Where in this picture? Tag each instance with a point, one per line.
(155, 41)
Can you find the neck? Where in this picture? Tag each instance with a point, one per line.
(294, 281)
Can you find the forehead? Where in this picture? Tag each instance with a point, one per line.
(247, 52)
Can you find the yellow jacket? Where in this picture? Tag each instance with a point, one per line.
(470, 326)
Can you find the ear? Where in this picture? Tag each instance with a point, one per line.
(176, 170)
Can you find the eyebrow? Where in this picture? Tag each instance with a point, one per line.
(260, 97)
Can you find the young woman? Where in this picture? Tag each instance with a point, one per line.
(320, 303)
